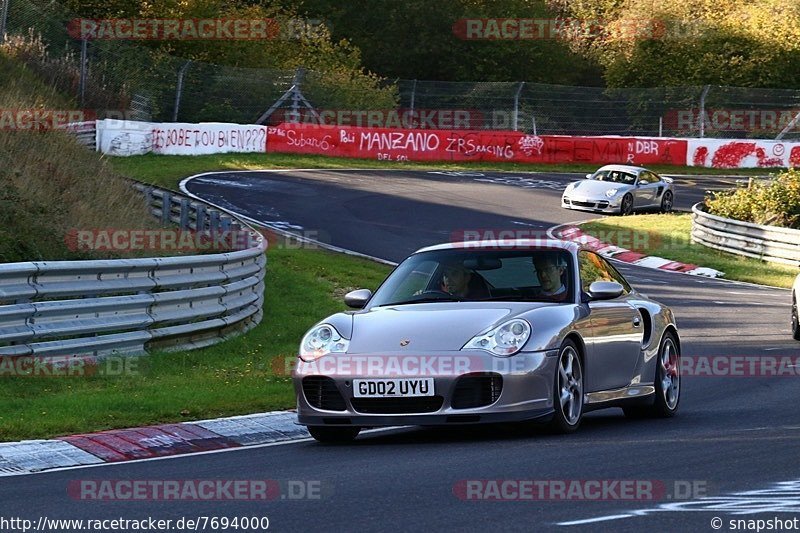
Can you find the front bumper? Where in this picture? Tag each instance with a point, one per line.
(605, 205)
(526, 391)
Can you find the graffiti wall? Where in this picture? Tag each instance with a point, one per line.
(118, 137)
(393, 144)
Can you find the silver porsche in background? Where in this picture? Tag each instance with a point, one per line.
(489, 331)
(620, 189)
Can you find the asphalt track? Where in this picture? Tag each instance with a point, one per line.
(733, 435)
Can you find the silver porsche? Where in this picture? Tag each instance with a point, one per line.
(489, 331)
(620, 189)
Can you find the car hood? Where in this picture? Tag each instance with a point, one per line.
(595, 189)
(429, 327)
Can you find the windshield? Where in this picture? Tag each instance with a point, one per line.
(615, 176)
(542, 275)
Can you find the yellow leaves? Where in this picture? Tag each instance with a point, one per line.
(727, 42)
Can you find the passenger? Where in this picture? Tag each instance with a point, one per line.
(550, 270)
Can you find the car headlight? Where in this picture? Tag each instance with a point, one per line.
(570, 187)
(611, 192)
(506, 339)
(322, 340)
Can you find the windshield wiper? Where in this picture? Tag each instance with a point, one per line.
(427, 299)
(511, 298)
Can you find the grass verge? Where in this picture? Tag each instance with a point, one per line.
(240, 376)
(168, 170)
(668, 236)
(51, 186)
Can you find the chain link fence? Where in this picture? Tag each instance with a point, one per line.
(112, 77)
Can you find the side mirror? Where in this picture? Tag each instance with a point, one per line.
(588, 176)
(358, 298)
(605, 290)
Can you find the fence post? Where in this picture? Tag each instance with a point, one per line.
(792, 123)
(84, 66)
(703, 111)
(296, 93)
(516, 104)
(413, 96)
(179, 90)
(3, 19)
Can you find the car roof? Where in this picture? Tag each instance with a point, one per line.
(624, 168)
(501, 244)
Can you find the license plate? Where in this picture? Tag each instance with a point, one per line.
(392, 388)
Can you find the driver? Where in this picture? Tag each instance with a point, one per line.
(462, 282)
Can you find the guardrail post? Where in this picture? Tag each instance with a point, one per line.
(166, 207)
(185, 208)
(213, 222)
(200, 218)
(149, 198)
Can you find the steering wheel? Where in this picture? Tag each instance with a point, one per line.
(437, 291)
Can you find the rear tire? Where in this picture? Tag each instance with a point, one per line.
(667, 383)
(626, 206)
(666, 202)
(795, 318)
(567, 390)
(334, 435)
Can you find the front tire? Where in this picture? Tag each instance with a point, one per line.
(626, 206)
(795, 319)
(568, 390)
(667, 383)
(334, 435)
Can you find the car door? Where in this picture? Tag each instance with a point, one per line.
(646, 187)
(615, 343)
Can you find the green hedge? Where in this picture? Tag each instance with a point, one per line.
(773, 202)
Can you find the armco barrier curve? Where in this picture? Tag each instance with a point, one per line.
(134, 306)
(769, 243)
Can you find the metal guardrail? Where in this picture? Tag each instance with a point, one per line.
(768, 243)
(84, 132)
(133, 306)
